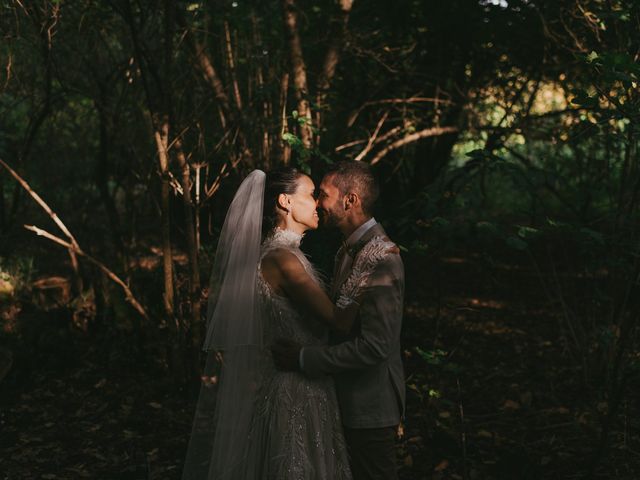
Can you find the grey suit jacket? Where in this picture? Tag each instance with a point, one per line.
(366, 364)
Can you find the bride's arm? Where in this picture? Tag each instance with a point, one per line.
(285, 274)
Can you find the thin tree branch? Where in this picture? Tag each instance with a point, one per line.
(8, 70)
(40, 202)
(373, 137)
(427, 132)
(232, 66)
(380, 139)
(205, 65)
(353, 117)
(349, 144)
(128, 294)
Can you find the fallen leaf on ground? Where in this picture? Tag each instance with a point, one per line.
(511, 405)
(441, 466)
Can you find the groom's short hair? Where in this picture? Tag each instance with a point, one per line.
(357, 177)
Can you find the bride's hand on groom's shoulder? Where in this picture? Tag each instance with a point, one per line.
(286, 354)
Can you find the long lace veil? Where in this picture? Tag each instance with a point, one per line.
(218, 445)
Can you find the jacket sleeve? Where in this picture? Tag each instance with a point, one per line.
(380, 316)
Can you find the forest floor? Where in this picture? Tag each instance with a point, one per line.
(494, 394)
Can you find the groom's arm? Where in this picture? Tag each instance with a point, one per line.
(380, 322)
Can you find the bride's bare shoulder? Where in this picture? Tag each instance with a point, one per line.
(281, 268)
(282, 260)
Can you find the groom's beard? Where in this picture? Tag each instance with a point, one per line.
(330, 218)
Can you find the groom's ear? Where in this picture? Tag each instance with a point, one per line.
(351, 200)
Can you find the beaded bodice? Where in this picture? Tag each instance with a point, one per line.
(283, 318)
(296, 427)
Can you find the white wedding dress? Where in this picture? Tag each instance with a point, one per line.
(296, 426)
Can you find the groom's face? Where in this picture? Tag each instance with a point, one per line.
(330, 203)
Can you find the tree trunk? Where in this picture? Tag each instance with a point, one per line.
(205, 65)
(232, 66)
(299, 70)
(157, 103)
(102, 175)
(337, 36)
(265, 149)
(192, 247)
(161, 137)
(3, 218)
(285, 149)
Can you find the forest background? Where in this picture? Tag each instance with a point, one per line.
(505, 136)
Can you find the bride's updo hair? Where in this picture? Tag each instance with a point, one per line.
(280, 180)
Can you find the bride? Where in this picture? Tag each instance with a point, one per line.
(253, 421)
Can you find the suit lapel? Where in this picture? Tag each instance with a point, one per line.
(340, 275)
(336, 270)
(374, 231)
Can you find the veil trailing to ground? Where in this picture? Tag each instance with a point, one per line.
(233, 345)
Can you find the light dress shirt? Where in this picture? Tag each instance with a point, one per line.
(357, 234)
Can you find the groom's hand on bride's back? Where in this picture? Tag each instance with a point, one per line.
(286, 354)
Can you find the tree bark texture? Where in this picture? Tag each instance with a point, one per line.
(299, 72)
(161, 136)
(192, 244)
(337, 36)
(102, 175)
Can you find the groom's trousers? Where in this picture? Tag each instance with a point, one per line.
(372, 453)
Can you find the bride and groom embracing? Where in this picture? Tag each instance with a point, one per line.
(300, 383)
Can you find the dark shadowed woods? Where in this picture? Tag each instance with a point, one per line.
(504, 134)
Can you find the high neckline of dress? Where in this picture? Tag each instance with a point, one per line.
(286, 237)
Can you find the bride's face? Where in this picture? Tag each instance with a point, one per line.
(302, 207)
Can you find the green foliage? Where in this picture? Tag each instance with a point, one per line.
(432, 357)
(16, 275)
(293, 140)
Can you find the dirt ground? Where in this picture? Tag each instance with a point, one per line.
(492, 392)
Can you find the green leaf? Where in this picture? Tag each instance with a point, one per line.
(432, 357)
(528, 232)
(478, 153)
(488, 228)
(557, 224)
(418, 247)
(306, 168)
(583, 99)
(440, 222)
(292, 140)
(516, 243)
(592, 235)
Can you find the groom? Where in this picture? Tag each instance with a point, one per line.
(366, 363)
